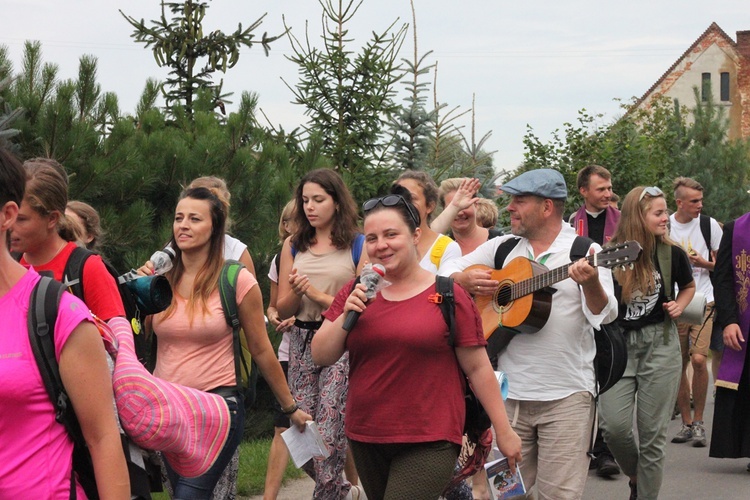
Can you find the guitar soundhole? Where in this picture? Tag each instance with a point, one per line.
(502, 296)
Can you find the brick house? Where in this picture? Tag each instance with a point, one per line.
(716, 59)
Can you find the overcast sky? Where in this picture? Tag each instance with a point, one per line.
(530, 62)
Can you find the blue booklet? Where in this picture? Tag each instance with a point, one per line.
(503, 482)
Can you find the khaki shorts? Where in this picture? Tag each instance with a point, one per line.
(696, 338)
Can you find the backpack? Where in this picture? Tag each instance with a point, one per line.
(357, 244)
(705, 225)
(245, 368)
(73, 279)
(42, 316)
(477, 421)
(477, 438)
(611, 357)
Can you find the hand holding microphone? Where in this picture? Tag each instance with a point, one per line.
(372, 278)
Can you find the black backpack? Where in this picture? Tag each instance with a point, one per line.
(73, 279)
(42, 316)
(611, 348)
(477, 421)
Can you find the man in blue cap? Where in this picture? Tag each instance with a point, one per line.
(551, 372)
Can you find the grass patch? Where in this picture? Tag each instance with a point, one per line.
(253, 464)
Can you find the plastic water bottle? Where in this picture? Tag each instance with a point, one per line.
(162, 260)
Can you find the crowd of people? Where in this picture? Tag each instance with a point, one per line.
(375, 367)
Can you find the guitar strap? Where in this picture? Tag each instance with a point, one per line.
(503, 250)
(500, 339)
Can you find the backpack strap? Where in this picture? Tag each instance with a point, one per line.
(42, 316)
(705, 223)
(357, 244)
(228, 293)
(503, 250)
(664, 257)
(73, 273)
(438, 249)
(444, 289)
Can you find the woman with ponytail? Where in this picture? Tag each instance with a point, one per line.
(46, 237)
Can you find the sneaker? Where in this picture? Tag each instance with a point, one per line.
(685, 435)
(699, 435)
(606, 466)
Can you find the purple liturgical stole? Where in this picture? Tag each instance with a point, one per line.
(581, 222)
(733, 361)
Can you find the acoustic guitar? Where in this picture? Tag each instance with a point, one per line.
(523, 300)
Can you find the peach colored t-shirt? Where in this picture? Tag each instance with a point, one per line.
(198, 355)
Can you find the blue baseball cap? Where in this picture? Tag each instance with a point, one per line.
(544, 182)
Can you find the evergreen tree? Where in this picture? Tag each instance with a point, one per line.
(413, 126)
(349, 96)
(179, 43)
(7, 114)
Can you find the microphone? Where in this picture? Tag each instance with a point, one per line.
(371, 277)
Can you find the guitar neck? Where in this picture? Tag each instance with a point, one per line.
(531, 285)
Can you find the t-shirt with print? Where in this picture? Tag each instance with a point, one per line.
(197, 352)
(690, 238)
(648, 310)
(100, 292)
(36, 452)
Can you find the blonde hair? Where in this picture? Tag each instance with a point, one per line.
(486, 212)
(91, 222)
(220, 189)
(632, 226)
(448, 186)
(684, 182)
(287, 215)
(47, 192)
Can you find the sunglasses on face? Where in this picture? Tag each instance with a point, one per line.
(652, 191)
(392, 200)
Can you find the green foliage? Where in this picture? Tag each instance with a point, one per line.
(132, 169)
(413, 126)
(7, 114)
(179, 43)
(652, 147)
(720, 165)
(348, 96)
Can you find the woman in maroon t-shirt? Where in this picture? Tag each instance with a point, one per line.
(405, 440)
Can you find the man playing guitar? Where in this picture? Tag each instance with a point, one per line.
(550, 402)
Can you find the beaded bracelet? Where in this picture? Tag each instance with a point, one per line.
(291, 409)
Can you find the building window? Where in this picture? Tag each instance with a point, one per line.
(725, 86)
(705, 86)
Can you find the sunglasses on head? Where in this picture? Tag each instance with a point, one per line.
(652, 191)
(391, 200)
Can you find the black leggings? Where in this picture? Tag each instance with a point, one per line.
(404, 470)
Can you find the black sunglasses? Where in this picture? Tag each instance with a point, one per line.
(391, 200)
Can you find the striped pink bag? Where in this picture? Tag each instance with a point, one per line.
(188, 426)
